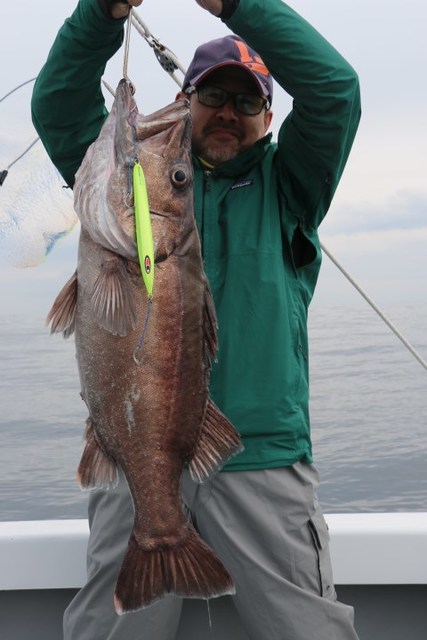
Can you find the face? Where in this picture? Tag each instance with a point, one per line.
(221, 133)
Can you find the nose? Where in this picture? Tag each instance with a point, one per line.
(227, 111)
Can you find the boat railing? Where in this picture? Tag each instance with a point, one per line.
(366, 548)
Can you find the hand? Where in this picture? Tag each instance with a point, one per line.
(121, 9)
(213, 6)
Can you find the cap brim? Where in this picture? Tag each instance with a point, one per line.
(199, 78)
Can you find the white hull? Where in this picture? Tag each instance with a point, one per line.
(380, 567)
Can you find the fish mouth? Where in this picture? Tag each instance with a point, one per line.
(159, 214)
(124, 97)
(164, 120)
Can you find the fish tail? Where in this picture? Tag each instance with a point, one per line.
(62, 316)
(188, 569)
(218, 442)
(96, 469)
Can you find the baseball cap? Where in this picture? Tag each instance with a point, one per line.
(230, 50)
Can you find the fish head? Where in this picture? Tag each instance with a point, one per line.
(102, 189)
(164, 152)
(103, 193)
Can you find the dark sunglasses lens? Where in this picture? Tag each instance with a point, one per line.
(246, 103)
(212, 96)
(249, 104)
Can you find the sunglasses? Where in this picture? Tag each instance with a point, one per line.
(250, 104)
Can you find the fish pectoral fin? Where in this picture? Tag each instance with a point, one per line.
(218, 442)
(62, 316)
(188, 569)
(96, 469)
(113, 298)
(210, 323)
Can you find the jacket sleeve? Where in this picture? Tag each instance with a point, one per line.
(315, 139)
(67, 105)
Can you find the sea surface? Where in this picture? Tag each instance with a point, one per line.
(368, 409)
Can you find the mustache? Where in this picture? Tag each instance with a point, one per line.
(223, 126)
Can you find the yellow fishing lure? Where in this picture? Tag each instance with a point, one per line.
(144, 234)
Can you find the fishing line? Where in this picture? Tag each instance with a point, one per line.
(16, 88)
(209, 618)
(4, 172)
(381, 314)
(140, 345)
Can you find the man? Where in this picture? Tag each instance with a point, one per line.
(258, 206)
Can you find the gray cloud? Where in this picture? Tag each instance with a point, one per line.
(404, 210)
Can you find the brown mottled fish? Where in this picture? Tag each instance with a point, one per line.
(144, 367)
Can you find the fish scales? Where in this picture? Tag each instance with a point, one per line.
(144, 365)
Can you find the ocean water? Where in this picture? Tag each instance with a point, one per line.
(368, 408)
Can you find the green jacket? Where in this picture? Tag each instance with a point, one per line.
(257, 214)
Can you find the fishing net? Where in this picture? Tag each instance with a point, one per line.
(36, 209)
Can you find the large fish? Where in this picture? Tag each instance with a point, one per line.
(144, 366)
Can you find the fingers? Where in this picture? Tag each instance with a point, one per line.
(213, 6)
(121, 9)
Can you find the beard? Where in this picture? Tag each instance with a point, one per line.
(214, 152)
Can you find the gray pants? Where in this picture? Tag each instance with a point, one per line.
(267, 528)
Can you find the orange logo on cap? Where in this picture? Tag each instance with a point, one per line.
(253, 62)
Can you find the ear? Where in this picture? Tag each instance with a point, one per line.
(180, 95)
(268, 116)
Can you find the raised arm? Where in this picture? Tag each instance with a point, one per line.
(316, 137)
(67, 105)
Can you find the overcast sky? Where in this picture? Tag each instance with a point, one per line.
(377, 225)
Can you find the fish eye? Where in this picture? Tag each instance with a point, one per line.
(179, 177)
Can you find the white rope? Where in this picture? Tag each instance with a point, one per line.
(166, 58)
(376, 309)
(127, 42)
